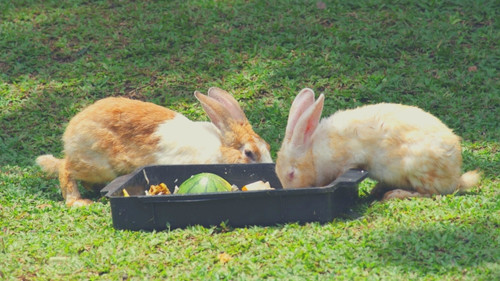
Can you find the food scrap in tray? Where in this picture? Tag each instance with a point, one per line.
(162, 189)
(159, 189)
(258, 185)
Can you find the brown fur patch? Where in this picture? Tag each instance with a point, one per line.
(240, 134)
(119, 129)
(232, 156)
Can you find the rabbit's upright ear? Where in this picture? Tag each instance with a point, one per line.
(228, 102)
(302, 101)
(221, 110)
(307, 123)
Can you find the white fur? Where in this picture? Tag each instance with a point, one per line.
(419, 131)
(323, 158)
(400, 146)
(192, 142)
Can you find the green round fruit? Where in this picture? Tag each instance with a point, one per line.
(203, 183)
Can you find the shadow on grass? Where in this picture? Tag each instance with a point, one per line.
(34, 128)
(439, 247)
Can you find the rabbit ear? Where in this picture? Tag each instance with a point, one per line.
(228, 102)
(220, 115)
(307, 123)
(301, 102)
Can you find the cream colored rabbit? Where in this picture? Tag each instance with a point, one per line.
(408, 151)
(114, 136)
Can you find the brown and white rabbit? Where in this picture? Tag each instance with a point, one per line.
(114, 136)
(407, 150)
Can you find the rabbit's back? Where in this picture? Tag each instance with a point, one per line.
(387, 122)
(386, 118)
(400, 145)
(113, 136)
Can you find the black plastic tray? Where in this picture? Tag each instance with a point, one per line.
(237, 209)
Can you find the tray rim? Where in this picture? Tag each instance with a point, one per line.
(351, 176)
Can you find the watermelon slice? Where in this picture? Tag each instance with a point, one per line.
(204, 183)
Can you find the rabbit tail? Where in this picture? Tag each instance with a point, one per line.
(469, 180)
(49, 164)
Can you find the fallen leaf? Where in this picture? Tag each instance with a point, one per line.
(58, 259)
(321, 5)
(43, 206)
(472, 68)
(224, 257)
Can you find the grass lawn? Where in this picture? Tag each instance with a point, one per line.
(58, 56)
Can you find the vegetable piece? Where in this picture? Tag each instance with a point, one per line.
(204, 183)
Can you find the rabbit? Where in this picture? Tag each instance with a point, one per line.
(408, 151)
(115, 135)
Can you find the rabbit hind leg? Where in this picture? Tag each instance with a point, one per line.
(69, 188)
(383, 192)
(403, 194)
(380, 189)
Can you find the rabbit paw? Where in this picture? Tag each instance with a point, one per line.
(402, 194)
(380, 190)
(78, 202)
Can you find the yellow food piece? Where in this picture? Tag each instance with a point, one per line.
(125, 193)
(160, 189)
(258, 185)
(224, 257)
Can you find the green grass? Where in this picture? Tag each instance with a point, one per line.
(56, 58)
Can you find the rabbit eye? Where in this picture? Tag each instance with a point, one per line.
(249, 154)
